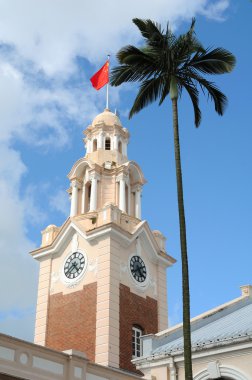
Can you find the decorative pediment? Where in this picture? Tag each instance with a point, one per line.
(80, 167)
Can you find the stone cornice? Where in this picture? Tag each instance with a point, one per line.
(124, 236)
(122, 175)
(101, 127)
(94, 173)
(75, 181)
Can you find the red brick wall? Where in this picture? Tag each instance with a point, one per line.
(134, 310)
(71, 321)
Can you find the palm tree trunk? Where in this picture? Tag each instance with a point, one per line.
(183, 245)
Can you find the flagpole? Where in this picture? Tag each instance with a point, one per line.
(107, 100)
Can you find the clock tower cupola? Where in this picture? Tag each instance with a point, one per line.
(105, 175)
(102, 281)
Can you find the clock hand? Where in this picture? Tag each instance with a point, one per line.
(69, 270)
(73, 266)
(139, 269)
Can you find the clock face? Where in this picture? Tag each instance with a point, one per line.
(138, 269)
(74, 265)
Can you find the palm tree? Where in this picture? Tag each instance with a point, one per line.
(164, 65)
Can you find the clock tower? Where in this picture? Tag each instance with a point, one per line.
(102, 280)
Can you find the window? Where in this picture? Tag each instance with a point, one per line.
(133, 204)
(94, 145)
(137, 332)
(120, 147)
(87, 197)
(107, 143)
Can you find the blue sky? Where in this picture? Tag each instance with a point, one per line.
(46, 59)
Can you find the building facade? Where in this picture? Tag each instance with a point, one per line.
(20, 360)
(102, 281)
(221, 345)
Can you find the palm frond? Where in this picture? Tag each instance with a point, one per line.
(186, 45)
(164, 56)
(219, 99)
(194, 95)
(215, 61)
(148, 28)
(130, 55)
(126, 73)
(165, 90)
(149, 91)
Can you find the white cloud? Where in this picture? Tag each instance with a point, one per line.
(18, 324)
(52, 33)
(216, 10)
(36, 113)
(32, 212)
(175, 315)
(38, 58)
(17, 269)
(60, 202)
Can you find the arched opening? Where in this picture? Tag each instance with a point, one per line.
(127, 199)
(137, 347)
(107, 143)
(94, 145)
(117, 193)
(133, 204)
(87, 196)
(120, 147)
(226, 373)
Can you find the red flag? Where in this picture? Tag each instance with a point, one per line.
(101, 78)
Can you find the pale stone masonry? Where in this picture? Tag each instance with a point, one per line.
(24, 360)
(116, 248)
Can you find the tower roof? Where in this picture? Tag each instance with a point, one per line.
(107, 117)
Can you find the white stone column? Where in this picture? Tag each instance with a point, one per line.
(122, 195)
(138, 209)
(89, 146)
(100, 141)
(93, 198)
(147, 373)
(124, 147)
(173, 371)
(83, 197)
(74, 199)
(115, 142)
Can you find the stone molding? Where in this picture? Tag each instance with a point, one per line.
(214, 371)
(91, 131)
(30, 361)
(125, 237)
